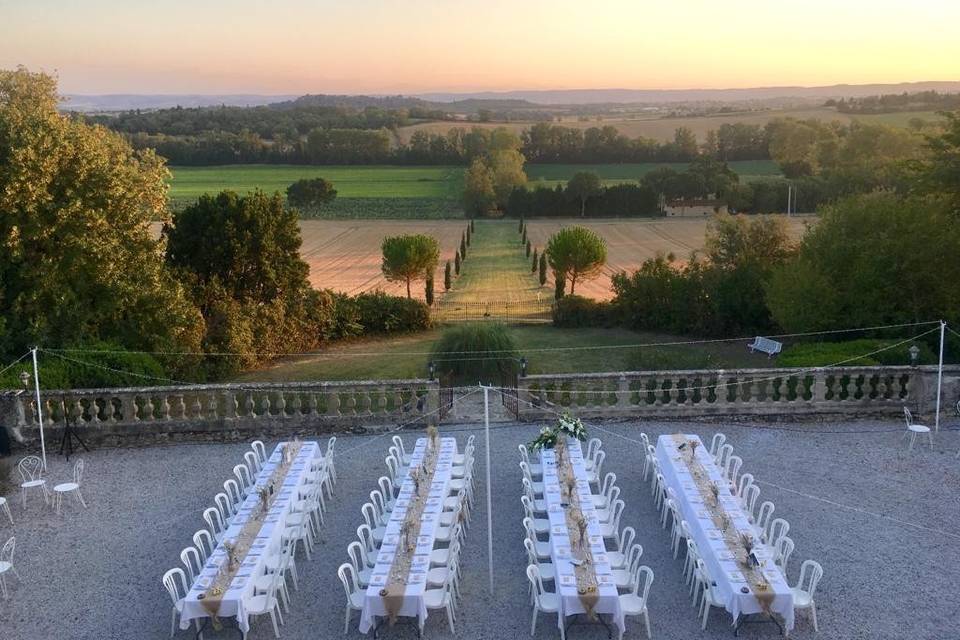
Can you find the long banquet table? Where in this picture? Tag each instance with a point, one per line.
(288, 480)
(739, 594)
(413, 583)
(571, 601)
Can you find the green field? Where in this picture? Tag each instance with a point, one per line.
(399, 191)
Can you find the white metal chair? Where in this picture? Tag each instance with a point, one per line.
(6, 508)
(6, 564)
(176, 584)
(31, 477)
(355, 595)
(913, 429)
(204, 543)
(634, 603)
(717, 442)
(192, 561)
(218, 529)
(543, 600)
(810, 574)
(70, 487)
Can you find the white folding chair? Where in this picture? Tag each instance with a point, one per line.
(913, 429)
(355, 595)
(634, 603)
(6, 564)
(70, 487)
(543, 600)
(31, 477)
(810, 574)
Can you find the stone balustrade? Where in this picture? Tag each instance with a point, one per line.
(113, 416)
(849, 391)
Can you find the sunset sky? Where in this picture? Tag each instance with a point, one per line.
(389, 46)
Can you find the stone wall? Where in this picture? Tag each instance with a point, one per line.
(775, 393)
(148, 415)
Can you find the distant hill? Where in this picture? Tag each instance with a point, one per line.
(128, 101)
(626, 96)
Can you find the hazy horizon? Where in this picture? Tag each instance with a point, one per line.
(374, 46)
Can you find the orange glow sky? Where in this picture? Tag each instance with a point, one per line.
(389, 46)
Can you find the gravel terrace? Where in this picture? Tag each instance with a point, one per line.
(95, 573)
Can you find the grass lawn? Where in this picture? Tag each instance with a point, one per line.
(407, 356)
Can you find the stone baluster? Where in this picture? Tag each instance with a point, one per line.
(313, 405)
(179, 408)
(249, 405)
(351, 408)
(819, 391)
(623, 393)
(128, 408)
(281, 405)
(229, 405)
(164, 408)
(265, 405)
(212, 408)
(381, 401)
(148, 408)
(76, 411)
(296, 406)
(333, 403)
(364, 402)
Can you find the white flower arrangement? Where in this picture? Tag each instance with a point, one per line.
(571, 427)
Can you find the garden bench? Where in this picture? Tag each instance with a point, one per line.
(766, 345)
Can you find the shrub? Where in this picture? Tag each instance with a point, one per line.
(821, 354)
(479, 351)
(378, 312)
(56, 373)
(576, 311)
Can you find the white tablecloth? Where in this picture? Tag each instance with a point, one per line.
(566, 584)
(413, 601)
(233, 603)
(713, 550)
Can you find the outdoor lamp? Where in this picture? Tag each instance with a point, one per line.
(914, 354)
(523, 367)
(431, 368)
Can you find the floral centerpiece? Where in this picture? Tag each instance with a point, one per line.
(546, 439)
(571, 427)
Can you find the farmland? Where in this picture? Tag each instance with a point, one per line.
(630, 242)
(662, 128)
(398, 191)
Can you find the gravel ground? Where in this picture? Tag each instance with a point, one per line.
(95, 573)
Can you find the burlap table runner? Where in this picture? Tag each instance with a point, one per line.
(586, 572)
(396, 588)
(731, 537)
(213, 596)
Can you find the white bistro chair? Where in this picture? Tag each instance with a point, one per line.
(913, 429)
(355, 595)
(176, 584)
(6, 564)
(70, 487)
(810, 574)
(634, 603)
(543, 600)
(31, 477)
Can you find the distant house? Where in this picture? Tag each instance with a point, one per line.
(694, 207)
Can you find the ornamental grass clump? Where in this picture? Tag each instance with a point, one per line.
(476, 352)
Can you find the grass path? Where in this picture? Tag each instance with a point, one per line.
(495, 272)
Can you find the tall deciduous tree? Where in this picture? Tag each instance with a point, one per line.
(479, 196)
(408, 258)
(576, 253)
(77, 259)
(583, 186)
(311, 193)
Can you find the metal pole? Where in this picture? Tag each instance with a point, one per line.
(940, 374)
(36, 386)
(486, 424)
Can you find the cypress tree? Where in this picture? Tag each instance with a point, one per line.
(523, 235)
(520, 228)
(456, 262)
(446, 276)
(428, 290)
(533, 265)
(469, 233)
(543, 269)
(528, 248)
(463, 246)
(472, 226)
